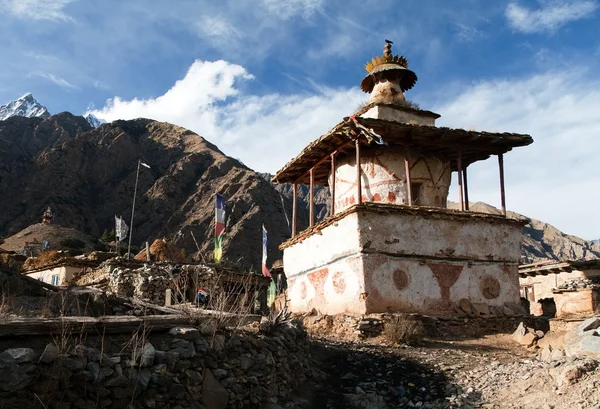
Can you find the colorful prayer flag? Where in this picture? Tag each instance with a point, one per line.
(219, 226)
(265, 270)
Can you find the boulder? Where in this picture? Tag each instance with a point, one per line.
(214, 395)
(465, 305)
(523, 336)
(517, 308)
(50, 354)
(583, 340)
(21, 355)
(146, 355)
(481, 308)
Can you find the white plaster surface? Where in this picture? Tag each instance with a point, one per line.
(470, 238)
(335, 241)
(389, 113)
(334, 289)
(65, 273)
(383, 178)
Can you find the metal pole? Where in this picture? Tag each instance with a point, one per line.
(311, 197)
(332, 184)
(358, 180)
(294, 204)
(408, 182)
(466, 189)
(460, 182)
(132, 211)
(502, 194)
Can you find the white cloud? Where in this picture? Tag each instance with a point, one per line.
(288, 8)
(552, 14)
(61, 82)
(37, 9)
(555, 178)
(264, 131)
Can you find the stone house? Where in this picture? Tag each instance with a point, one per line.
(390, 243)
(561, 288)
(61, 273)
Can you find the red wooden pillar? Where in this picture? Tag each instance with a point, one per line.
(460, 181)
(312, 197)
(332, 184)
(502, 193)
(466, 189)
(294, 204)
(358, 179)
(408, 182)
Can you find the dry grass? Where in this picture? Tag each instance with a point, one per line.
(404, 329)
(8, 303)
(44, 259)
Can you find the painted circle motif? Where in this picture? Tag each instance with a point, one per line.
(400, 279)
(303, 291)
(490, 287)
(339, 283)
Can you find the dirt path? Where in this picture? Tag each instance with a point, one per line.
(490, 372)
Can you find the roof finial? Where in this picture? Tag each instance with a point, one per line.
(387, 49)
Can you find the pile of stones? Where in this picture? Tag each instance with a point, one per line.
(190, 368)
(147, 283)
(592, 283)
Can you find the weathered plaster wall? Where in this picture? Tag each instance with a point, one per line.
(65, 273)
(417, 285)
(336, 241)
(378, 262)
(388, 113)
(440, 236)
(388, 92)
(383, 178)
(583, 302)
(335, 288)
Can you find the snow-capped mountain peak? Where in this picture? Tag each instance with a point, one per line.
(93, 120)
(25, 106)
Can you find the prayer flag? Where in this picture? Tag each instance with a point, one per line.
(265, 270)
(219, 226)
(121, 229)
(145, 165)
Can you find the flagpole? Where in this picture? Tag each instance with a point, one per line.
(137, 175)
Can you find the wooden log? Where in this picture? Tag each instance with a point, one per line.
(502, 194)
(294, 205)
(466, 189)
(332, 187)
(460, 182)
(408, 182)
(358, 172)
(312, 198)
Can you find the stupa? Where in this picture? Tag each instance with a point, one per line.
(390, 244)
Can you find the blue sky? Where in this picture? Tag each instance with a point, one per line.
(263, 78)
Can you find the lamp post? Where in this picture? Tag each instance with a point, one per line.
(137, 175)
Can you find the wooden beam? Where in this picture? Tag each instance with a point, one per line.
(358, 172)
(311, 197)
(332, 187)
(460, 182)
(502, 194)
(466, 189)
(294, 207)
(408, 182)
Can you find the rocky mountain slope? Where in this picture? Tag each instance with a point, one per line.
(87, 176)
(25, 106)
(541, 241)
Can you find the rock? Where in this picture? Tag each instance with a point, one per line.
(146, 355)
(185, 333)
(214, 395)
(465, 305)
(523, 336)
(74, 363)
(545, 354)
(573, 371)
(481, 309)
(583, 340)
(12, 378)
(21, 355)
(50, 354)
(219, 342)
(557, 354)
(517, 308)
(508, 312)
(144, 378)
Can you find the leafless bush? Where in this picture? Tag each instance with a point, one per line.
(275, 319)
(404, 329)
(7, 303)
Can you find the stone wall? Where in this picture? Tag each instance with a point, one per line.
(185, 368)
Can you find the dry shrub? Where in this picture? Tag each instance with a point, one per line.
(404, 329)
(44, 259)
(8, 303)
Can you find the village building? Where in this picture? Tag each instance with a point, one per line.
(390, 243)
(61, 273)
(561, 289)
